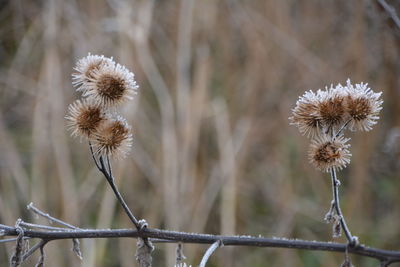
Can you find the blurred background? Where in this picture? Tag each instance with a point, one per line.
(213, 149)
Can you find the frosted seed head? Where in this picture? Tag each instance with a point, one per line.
(113, 138)
(111, 85)
(85, 67)
(326, 153)
(85, 117)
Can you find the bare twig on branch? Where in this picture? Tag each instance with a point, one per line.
(379, 254)
(32, 250)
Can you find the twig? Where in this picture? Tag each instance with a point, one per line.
(179, 253)
(380, 254)
(50, 218)
(341, 129)
(140, 225)
(39, 226)
(335, 191)
(34, 248)
(209, 252)
(93, 156)
(75, 242)
(42, 256)
(110, 179)
(391, 11)
(12, 239)
(16, 258)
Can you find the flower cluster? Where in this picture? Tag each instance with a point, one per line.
(325, 114)
(104, 85)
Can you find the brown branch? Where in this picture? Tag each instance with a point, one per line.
(386, 256)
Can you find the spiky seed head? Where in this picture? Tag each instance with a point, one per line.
(85, 117)
(331, 107)
(326, 153)
(363, 105)
(306, 114)
(86, 66)
(111, 85)
(113, 138)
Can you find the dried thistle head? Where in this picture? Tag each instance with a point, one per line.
(306, 114)
(331, 107)
(86, 66)
(326, 153)
(113, 138)
(111, 85)
(85, 117)
(363, 106)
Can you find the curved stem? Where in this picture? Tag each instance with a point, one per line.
(209, 252)
(335, 191)
(110, 179)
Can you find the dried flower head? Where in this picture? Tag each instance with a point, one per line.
(85, 117)
(86, 66)
(331, 107)
(326, 153)
(306, 114)
(111, 85)
(363, 105)
(113, 138)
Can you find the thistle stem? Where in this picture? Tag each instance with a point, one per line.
(352, 240)
(341, 129)
(110, 179)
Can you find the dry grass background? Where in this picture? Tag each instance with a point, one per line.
(213, 150)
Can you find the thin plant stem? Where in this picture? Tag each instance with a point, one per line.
(335, 191)
(93, 156)
(49, 217)
(111, 181)
(12, 239)
(45, 227)
(341, 129)
(209, 252)
(140, 225)
(40, 244)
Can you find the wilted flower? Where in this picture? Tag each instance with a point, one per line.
(331, 106)
(86, 66)
(113, 138)
(306, 114)
(85, 117)
(111, 85)
(326, 153)
(363, 105)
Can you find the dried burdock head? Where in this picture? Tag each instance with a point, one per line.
(306, 114)
(113, 138)
(86, 66)
(326, 153)
(331, 107)
(363, 105)
(111, 85)
(85, 117)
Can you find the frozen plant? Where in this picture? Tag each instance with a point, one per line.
(324, 116)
